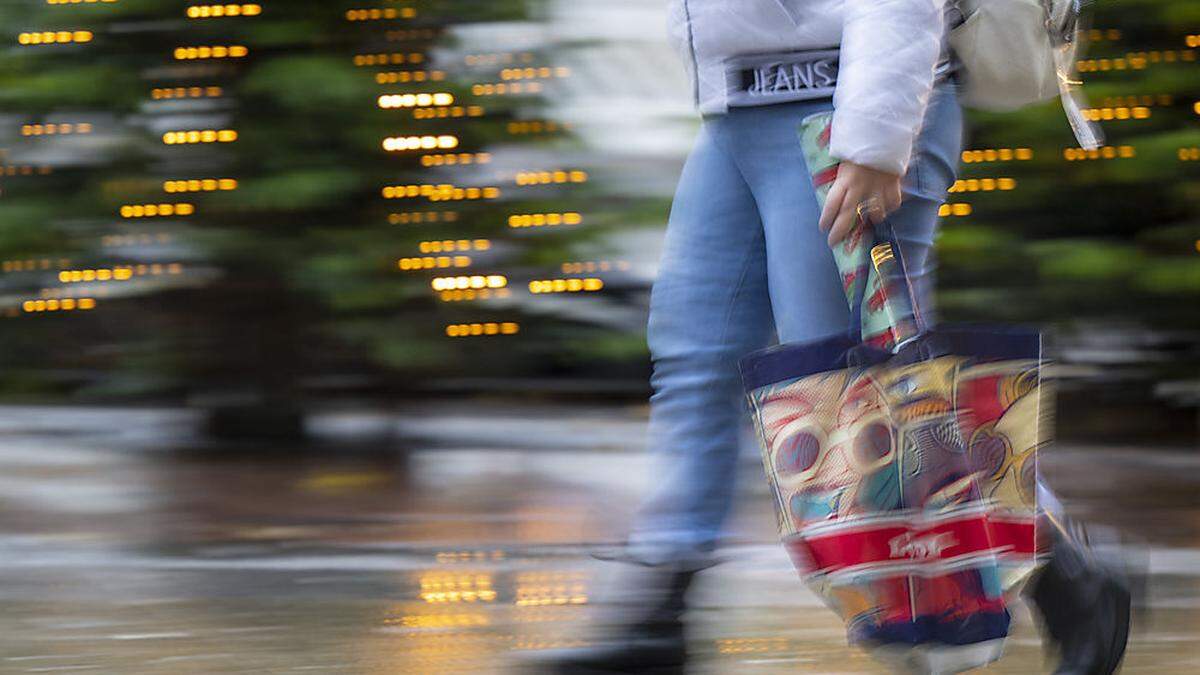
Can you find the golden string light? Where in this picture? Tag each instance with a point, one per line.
(982, 185)
(119, 273)
(409, 143)
(102, 274)
(1135, 60)
(522, 220)
(406, 76)
(419, 217)
(156, 269)
(388, 58)
(1144, 100)
(482, 329)
(1191, 154)
(535, 127)
(444, 112)
(32, 264)
(453, 245)
(216, 11)
(1116, 113)
(472, 294)
(56, 305)
(439, 193)
(997, 155)
(161, 93)
(153, 210)
(200, 185)
(56, 129)
(1104, 65)
(433, 262)
(421, 100)
(199, 136)
(513, 77)
(591, 284)
(211, 52)
(1105, 152)
(380, 13)
(531, 73)
(1103, 35)
(550, 177)
(466, 282)
(956, 209)
(503, 89)
(452, 159)
(52, 37)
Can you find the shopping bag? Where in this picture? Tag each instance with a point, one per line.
(903, 460)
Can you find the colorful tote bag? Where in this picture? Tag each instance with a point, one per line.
(903, 461)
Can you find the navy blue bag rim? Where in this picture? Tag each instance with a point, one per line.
(980, 342)
(845, 350)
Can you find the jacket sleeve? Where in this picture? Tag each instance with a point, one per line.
(890, 49)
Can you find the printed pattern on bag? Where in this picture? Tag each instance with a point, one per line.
(906, 494)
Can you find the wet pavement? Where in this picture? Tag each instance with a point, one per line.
(441, 539)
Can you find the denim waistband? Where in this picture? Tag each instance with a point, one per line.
(766, 79)
(763, 79)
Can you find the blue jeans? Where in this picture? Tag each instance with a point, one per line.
(744, 262)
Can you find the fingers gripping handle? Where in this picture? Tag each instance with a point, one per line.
(871, 267)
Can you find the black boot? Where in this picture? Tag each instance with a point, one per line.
(648, 635)
(1085, 606)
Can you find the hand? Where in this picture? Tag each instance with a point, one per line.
(858, 188)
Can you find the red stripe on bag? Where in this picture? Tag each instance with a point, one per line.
(849, 278)
(877, 300)
(898, 544)
(824, 136)
(826, 176)
(884, 340)
(1017, 532)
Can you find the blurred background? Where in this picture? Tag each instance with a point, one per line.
(322, 326)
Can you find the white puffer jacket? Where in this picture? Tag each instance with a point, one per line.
(889, 51)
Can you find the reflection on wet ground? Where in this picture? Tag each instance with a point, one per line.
(118, 555)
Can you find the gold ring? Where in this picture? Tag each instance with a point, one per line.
(865, 207)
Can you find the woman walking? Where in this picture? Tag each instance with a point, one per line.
(747, 257)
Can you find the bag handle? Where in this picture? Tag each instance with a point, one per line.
(884, 310)
(881, 297)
